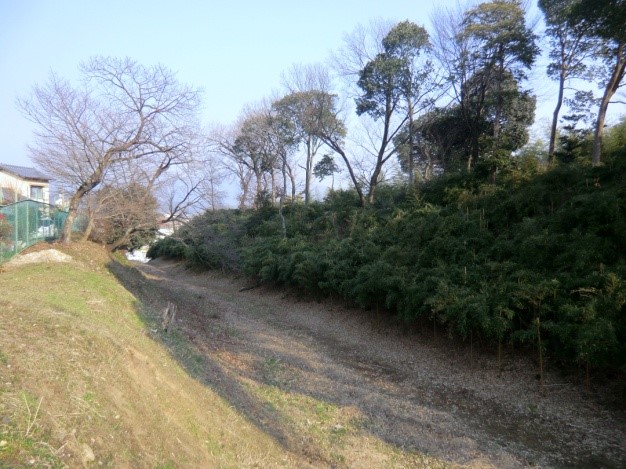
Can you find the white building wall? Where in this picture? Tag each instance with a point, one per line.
(22, 187)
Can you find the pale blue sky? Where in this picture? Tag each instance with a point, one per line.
(234, 50)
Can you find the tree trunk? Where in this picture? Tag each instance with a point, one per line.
(88, 229)
(499, 101)
(273, 187)
(292, 178)
(308, 171)
(614, 81)
(380, 159)
(82, 191)
(283, 226)
(373, 184)
(473, 153)
(259, 187)
(72, 212)
(244, 183)
(540, 353)
(555, 118)
(357, 187)
(66, 234)
(411, 167)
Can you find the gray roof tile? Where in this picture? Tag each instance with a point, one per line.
(24, 172)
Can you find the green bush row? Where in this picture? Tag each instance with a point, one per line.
(539, 258)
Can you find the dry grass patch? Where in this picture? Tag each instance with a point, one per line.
(82, 383)
(336, 435)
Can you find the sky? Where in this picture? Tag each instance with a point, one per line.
(234, 50)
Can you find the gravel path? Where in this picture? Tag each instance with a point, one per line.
(418, 393)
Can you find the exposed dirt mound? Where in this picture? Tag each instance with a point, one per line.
(47, 256)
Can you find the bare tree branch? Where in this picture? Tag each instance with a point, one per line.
(123, 113)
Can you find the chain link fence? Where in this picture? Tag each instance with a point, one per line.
(25, 223)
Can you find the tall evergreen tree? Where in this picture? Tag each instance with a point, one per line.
(571, 48)
(497, 45)
(481, 50)
(606, 20)
(393, 85)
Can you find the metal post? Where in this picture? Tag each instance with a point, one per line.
(15, 225)
(27, 225)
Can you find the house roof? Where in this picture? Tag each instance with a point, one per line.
(24, 172)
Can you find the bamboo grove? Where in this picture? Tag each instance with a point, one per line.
(535, 261)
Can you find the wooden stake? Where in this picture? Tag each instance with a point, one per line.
(541, 381)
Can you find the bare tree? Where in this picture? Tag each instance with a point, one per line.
(246, 155)
(126, 215)
(300, 77)
(332, 132)
(124, 207)
(123, 112)
(134, 199)
(306, 107)
(359, 47)
(257, 148)
(222, 140)
(213, 174)
(186, 191)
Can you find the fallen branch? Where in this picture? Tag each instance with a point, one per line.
(168, 316)
(31, 419)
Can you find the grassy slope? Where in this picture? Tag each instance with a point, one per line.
(81, 381)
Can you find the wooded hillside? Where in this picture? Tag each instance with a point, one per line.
(536, 260)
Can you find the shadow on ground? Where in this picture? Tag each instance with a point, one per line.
(237, 343)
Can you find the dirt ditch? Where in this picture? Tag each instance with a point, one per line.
(412, 392)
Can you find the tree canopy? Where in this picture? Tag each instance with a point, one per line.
(605, 19)
(124, 112)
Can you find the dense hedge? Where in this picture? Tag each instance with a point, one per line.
(539, 258)
(208, 241)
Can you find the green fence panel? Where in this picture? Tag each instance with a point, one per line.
(25, 223)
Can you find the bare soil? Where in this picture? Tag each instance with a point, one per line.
(413, 391)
